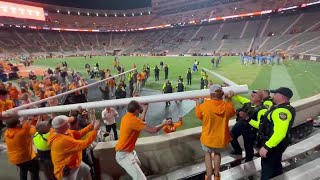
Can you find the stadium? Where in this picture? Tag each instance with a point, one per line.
(90, 59)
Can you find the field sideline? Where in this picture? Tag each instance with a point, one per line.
(302, 76)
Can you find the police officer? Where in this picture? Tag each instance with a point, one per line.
(250, 109)
(274, 127)
(40, 139)
(180, 86)
(156, 73)
(166, 71)
(167, 88)
(189, 76)
(267, 100)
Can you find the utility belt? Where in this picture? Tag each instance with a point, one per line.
(44, 155)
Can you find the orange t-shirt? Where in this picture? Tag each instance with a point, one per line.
(56, 87)
(35, 87)
(215, 115)
(143, 75)
(49, 94)
(111, 83)
(66, 149)
(130, 130)
(6, 105)
(172, 128)
(47, 82)
(13, 92)
(19, 142)
(139, 76)
(72, 87)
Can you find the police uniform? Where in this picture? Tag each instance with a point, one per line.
(167, 88)
(274, 128)
(156, 73)
(180, 86)
(189, 76)
(44, 156)
(245, 129)
(166, 71)
(267, 102)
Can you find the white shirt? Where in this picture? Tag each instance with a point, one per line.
(108, 117)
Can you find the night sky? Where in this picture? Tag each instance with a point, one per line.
(99, 4)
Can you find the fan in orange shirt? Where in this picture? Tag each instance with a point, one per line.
(172, 127)
(49, 93)
(67, 146)
(74, 85)
(130, 128)
(215, 115)
(139, 81)
(18, 138)
(56, 87)
(111, 84)
(13, 93)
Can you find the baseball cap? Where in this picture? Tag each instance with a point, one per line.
(214, 88)
(259, 92)
(283, 91)
(61, 120)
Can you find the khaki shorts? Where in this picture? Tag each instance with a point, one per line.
(212, 150)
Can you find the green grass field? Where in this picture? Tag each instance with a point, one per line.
(302, 76)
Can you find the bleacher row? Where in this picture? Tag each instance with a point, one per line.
(294, 33)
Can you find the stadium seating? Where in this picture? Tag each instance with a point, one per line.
(292, 32)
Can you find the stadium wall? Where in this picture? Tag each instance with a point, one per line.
(165, 153)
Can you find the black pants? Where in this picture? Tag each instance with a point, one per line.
(156, 77)
(243, 129)
(189, 81)
(271, 166)
(166, 75)
(114, 129)
(32, 166)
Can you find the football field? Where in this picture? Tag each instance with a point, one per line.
(303, 77)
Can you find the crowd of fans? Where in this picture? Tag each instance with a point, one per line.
(63, 142)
